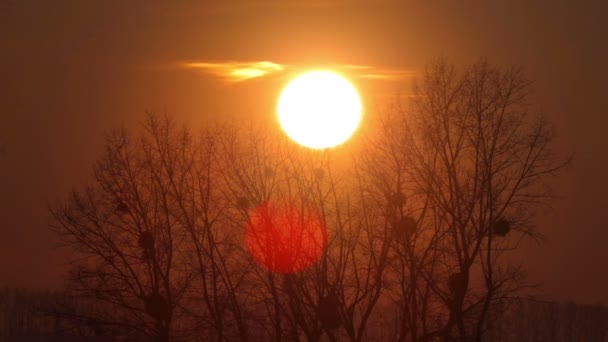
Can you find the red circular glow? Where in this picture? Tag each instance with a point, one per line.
(285, 236)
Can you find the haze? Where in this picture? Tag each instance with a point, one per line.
(71, 70)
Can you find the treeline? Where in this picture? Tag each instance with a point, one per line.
(530, 320)
(31, 316)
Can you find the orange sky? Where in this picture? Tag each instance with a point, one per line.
(69, 70)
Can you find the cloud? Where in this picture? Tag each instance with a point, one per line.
(237, 71)
(372, 72)
(243, 71)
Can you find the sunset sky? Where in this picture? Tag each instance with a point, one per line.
(71, 70)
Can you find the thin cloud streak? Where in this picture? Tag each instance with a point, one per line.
(237, 71)
(243, 71)
(371, 72)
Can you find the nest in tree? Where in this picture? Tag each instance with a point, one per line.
(156, 306)
(242, 203)
(404, 228)
(146, 243)
(268, 172)
(502, 227)
(329, 311)
(397, 199)
(319, 173)
(122, 208)
(457, 282)
(290, 284)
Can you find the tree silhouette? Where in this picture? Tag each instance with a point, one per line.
(238, 234)
(127, 244)
(467, 161)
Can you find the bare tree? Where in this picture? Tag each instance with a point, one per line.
(336, 296)
(125, 236)
(472, 161)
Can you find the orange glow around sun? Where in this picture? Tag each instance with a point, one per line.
(319, 109)
(285, 236)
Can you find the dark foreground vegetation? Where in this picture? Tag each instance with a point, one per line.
(30, 316)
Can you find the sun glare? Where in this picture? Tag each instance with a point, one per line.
(319, 109)
(285, 236)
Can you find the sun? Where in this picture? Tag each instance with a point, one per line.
(319, 109)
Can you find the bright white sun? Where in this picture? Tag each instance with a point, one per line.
(319, 109)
